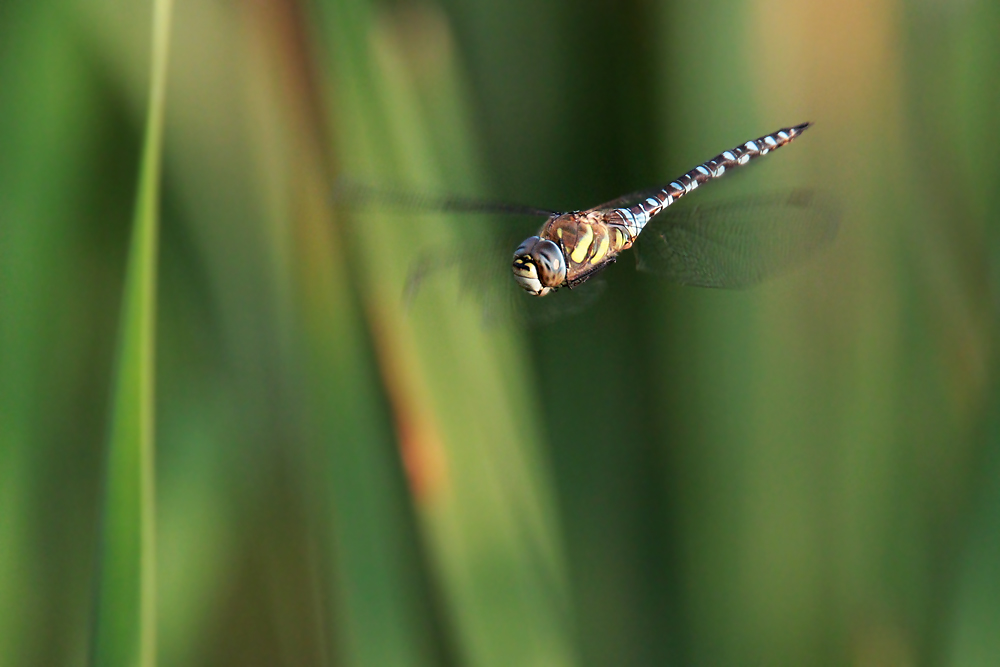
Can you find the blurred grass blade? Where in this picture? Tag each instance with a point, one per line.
(124, 633)
(466, 423)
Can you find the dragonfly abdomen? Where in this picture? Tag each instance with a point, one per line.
(634, 218)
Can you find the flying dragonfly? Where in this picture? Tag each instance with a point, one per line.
(572, 247)
(730, 243)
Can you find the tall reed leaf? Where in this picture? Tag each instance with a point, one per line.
(124, 631)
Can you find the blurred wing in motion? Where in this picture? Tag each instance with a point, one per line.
(737, 243)
(355, 194)
(479, 263)
(484, 277)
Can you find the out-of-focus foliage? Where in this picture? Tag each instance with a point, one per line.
(805, 473)
(124, 623)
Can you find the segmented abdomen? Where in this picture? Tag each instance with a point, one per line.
(634, 218)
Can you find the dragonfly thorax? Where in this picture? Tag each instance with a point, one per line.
(539, 266)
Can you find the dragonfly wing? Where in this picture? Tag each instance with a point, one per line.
(513, 304)
(732, 175)
(484, 277)
(355, 194)
(738, 242)
(633, 198)
(480, 263)
(628, 200)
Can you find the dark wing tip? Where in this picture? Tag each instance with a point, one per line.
(798, 129)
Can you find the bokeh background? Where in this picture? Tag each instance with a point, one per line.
(806, 473)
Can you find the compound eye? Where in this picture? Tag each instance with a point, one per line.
(527, 245)
(551, 263)
(539, 266)
(525, 270)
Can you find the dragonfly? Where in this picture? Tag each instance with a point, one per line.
(730, 243)
(704, 248)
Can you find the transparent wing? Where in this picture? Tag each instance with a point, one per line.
(479, 264)
(738, 242)
(355, 194)
(483, 275)
(630, 199)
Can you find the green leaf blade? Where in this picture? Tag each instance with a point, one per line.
(124, 630)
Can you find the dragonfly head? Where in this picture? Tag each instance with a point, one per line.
(539, 266)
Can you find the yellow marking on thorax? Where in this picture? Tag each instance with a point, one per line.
(582, 244)
(602, 247)
(619, 238)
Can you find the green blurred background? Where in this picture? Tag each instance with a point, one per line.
(807, 473)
